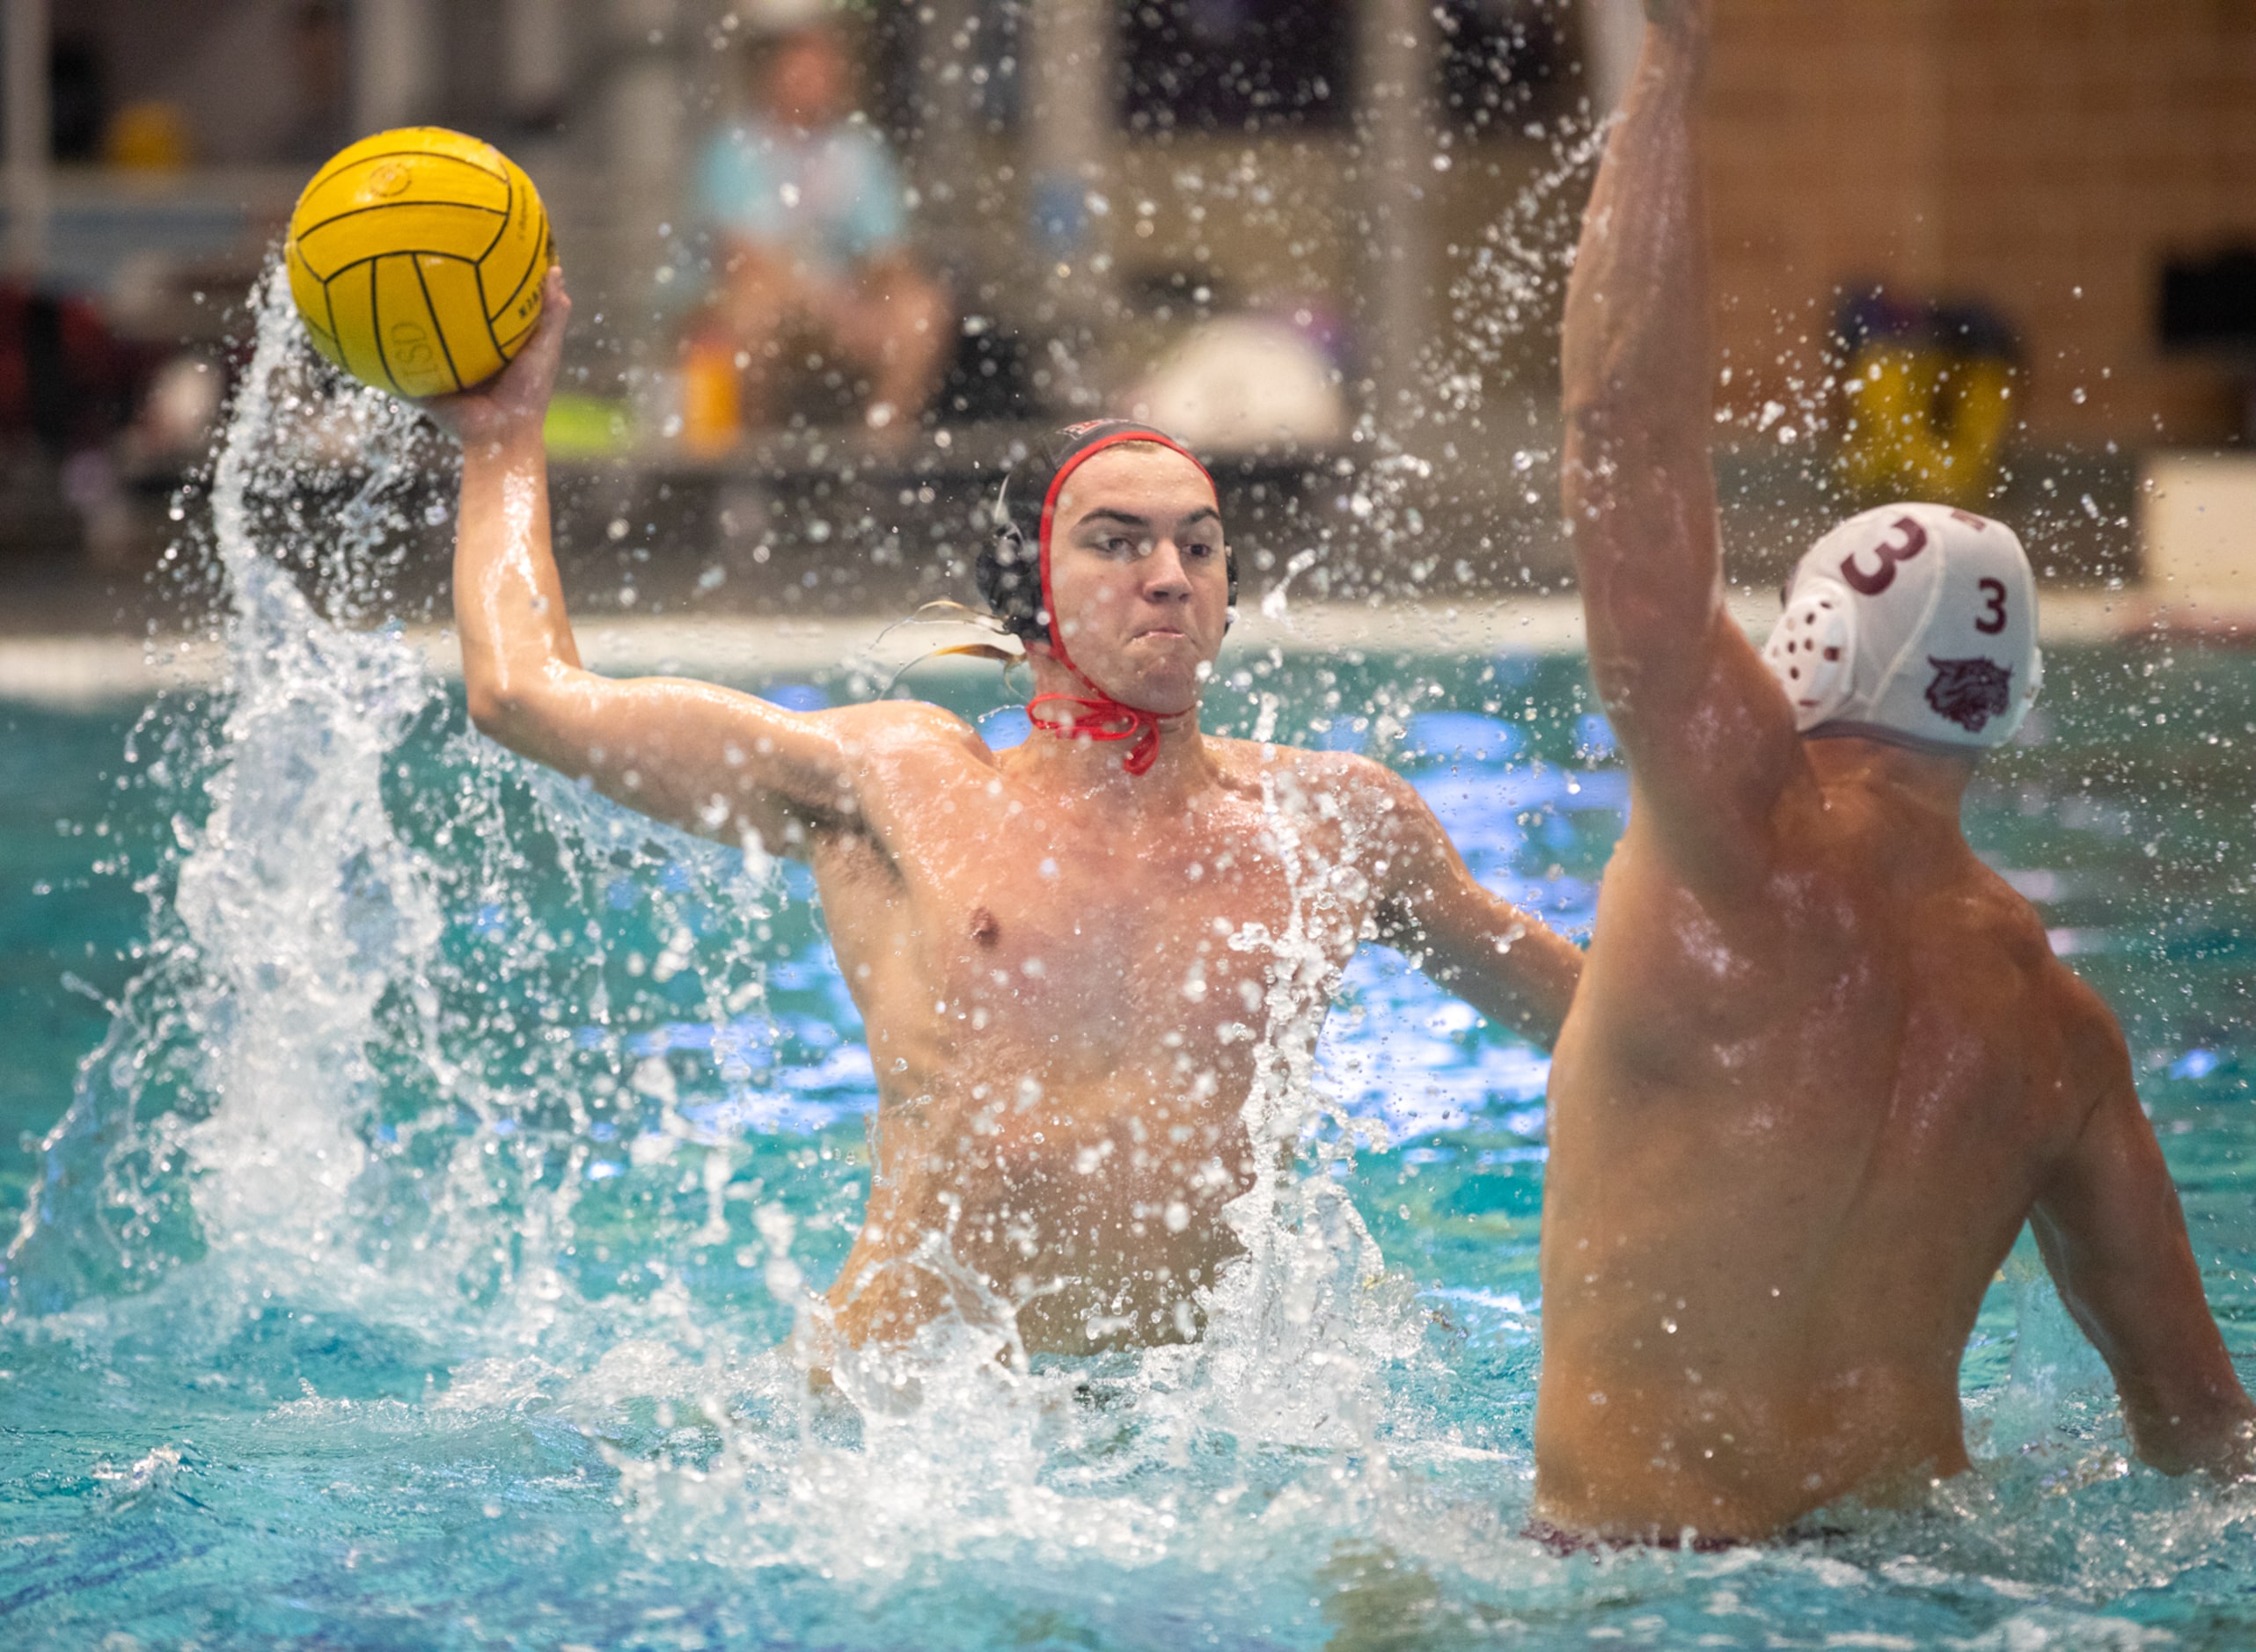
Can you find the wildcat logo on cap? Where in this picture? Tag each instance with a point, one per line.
(1970, 692)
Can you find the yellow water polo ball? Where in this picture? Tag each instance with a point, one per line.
(416, 257)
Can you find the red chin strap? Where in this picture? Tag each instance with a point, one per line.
(1096, 716)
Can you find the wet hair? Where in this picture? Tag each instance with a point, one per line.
(1008, 568)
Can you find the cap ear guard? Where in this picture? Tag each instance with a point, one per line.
(1813, 651)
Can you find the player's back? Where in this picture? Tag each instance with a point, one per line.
(1820, 1065)
(1793, 1135)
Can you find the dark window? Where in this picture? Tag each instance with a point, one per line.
(2209, 303)
(77, 103)
(1235, 65)
(969, 55)
(1505, 63)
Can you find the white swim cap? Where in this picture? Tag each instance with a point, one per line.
(1912, 622)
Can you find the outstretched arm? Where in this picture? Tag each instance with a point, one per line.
(1708, 734)
(1506, 962)
(2113, 1236)
(701, 757)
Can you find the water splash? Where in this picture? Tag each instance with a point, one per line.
(357, 1064)
(294, 906)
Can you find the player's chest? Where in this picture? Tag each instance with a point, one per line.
(1188, 923)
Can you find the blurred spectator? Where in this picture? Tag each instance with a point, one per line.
(810, 256)
(320, 63)
(65, 382)
(1926, 394)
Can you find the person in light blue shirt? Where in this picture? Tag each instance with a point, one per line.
(804, 205)
(831, 199)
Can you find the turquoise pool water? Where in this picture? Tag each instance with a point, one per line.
(511, 1377)
(436, 1163)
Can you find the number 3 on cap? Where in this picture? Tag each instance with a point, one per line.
(1915, 541)
(1993, 618)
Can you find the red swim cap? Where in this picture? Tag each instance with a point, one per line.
(1096, 716)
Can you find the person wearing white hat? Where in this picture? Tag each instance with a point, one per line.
(1823, 1065)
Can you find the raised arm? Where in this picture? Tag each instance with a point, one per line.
(1506, 962)
(2111, 1231)
(1709, 736)
(698, 757)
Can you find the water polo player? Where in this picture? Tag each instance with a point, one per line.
(1071, 956)
(1824, 1065)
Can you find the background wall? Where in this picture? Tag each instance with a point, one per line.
(226, 64)
(2009, 152)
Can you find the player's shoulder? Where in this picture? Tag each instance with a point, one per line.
(1974, 925)
(2016, 931)
(2094, 1036)
(1342, 785)
(1344, 774)
(1992, 900)
(905, 729)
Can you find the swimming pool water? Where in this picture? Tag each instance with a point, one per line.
(418, 1266)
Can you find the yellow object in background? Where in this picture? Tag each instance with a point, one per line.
(711, 408)
(415, 257)
(148, 137)
(1924, 422)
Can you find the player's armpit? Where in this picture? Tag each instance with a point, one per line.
(2113, 1234)
(1712, 757)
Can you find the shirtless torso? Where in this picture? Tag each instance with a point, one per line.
(1824, 1064)
(1069, 960)
(1065, 1008)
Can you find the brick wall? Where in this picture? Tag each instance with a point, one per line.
(2008, 152)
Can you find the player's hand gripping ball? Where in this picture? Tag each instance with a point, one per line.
(416, 258)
